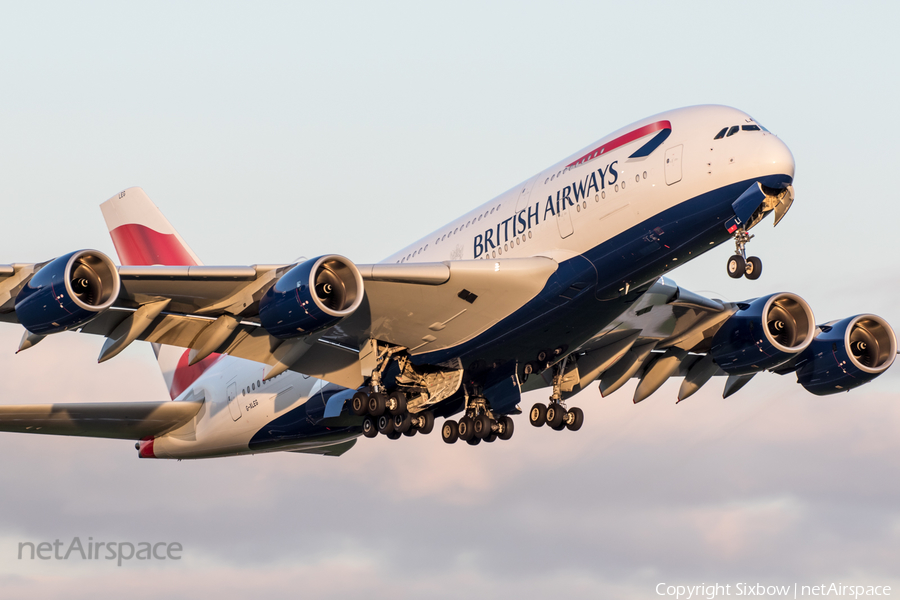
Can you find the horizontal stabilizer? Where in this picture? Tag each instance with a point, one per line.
(116, 420)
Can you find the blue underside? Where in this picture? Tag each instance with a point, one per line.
(575, 303)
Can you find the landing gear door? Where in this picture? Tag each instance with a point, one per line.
(673, 164)
(234, 406)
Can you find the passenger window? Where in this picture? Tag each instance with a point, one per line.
(750, 128)
(733, 131)
(721, 134)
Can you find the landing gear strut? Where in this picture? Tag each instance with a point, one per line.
(479, 424)
(555, 413)
(740, 265)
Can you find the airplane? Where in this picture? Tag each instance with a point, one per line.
(558, 284)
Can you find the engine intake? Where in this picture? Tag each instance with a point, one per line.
(763, 334)
(67, 292)
(312, 296)
(847, 354)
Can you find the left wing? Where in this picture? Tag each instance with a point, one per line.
(418, 306)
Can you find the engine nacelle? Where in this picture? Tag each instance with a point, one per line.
(763, 334)
(312, 296)
(68, 292)
(847, 354)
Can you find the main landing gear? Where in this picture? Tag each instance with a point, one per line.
(388, 415)
(555, 414)
(740, 265)
(479, 424)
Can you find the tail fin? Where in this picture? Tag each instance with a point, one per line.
(143, 236)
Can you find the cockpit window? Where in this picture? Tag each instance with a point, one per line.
(750, 127)
(721, 134)
(732, 131)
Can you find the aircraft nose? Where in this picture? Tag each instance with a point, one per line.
(778, 158)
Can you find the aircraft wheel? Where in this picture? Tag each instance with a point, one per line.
(555, 415)
(491, 437)
(394, 435)
(359, 404)
(506, 428)
(369, 427)
(427, 422)
(538, 415)
(396, 403)
(466, 431)
(377, 404)
(736, 266)
(450, 431)
(574, 419)
(482, 426)
(474, 441)
(411, 432)
(386, 424)
(753, 269)
(403, 423)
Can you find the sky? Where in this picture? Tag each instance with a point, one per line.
(268, 131)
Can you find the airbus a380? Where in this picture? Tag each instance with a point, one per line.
(556, 284)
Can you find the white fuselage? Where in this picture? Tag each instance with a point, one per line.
(560, 213)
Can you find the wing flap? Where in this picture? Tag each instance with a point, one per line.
(116, 420)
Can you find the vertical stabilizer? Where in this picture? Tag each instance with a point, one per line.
(143, 236)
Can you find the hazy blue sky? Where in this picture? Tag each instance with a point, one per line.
(267, 131)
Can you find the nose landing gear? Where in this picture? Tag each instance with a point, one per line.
(740, 265)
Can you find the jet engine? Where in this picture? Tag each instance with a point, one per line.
(311, 296)
(847, 354)
(67, 292)
(763, 334)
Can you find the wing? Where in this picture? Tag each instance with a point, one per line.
(418, 306)
(666, 333)
(117, 420)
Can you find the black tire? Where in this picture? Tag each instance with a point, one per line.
(386, 424)
(574, 419)
(736, 266)
(491, 437)
(450, 431)
(428, 422)
(474, 441)
(411, 432)
(555, 415)
(396, 403)
(506, 428)
(369, 427)
(466, 429)
(377, 404)
(481, 425)
(394, 435)
(538, 415)
(359, 404)
(403, 423)
(753, 269)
